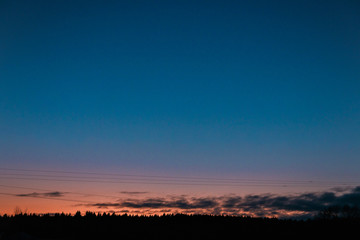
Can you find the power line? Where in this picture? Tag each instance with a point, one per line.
(164, 178)
(142, 179)
(153, 176)
(170, 183)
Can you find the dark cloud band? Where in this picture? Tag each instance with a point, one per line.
(47, 194)
(256, 205)
(132, 193)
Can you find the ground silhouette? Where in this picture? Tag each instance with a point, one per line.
(111, 226)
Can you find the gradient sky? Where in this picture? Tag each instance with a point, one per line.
(256, 89)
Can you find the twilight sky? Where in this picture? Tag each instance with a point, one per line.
(211, 89)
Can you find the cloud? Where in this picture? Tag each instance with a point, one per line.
(133, 193)
(180, 203)
(304, 204)
(103, 205)
(341, 189)
(40, 195)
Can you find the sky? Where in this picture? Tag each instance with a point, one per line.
(215, 90)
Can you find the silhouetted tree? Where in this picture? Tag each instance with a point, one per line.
(78, 214)
(329, 213)
(339, 221)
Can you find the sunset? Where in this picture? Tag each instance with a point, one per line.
(243, 109)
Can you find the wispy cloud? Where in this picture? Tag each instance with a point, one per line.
(305, 204)
(133, 193)
(46, 194)
(180, 203)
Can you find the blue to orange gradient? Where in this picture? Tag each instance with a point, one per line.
(254, 90)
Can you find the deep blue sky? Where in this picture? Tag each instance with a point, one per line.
(207, 87)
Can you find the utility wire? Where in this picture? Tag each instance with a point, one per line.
(169, 183)
(142, 179)
(150, 176)
(157, 178)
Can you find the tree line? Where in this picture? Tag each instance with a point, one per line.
(332, 221)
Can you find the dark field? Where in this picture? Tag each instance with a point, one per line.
(92, 226)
